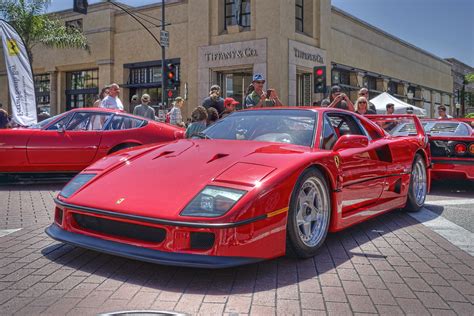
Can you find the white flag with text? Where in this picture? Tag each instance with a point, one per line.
(20, 76)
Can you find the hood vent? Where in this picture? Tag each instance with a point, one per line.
(217, 156)
(163, 153)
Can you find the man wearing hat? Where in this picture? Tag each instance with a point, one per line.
(229, 105)
(214, 100)
(144, 110)
(259, 98)
(337, 99)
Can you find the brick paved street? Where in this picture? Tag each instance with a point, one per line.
(390, 265)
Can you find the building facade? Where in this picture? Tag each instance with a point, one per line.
(226, 42)
(463, 92)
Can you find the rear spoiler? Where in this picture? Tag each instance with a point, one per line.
(389, 121)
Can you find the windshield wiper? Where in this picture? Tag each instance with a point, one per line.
(201, 135)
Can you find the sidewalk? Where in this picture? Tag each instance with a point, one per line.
(390, 265)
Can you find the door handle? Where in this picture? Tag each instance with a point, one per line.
(90, 147)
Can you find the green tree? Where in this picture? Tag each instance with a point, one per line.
(469, 78)
(35, 27)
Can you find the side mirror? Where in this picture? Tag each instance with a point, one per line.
(61, 128)
(351, 141)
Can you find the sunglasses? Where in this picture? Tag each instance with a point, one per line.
(260, 82)
(362, 102)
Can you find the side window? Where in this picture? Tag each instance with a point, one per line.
(120, 122)
(329, 135)
(88, 121)
(59, 123)
(345, 125)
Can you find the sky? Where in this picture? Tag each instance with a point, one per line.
(441, 27)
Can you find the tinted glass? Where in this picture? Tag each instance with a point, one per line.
(61, 122)
(87, 121)
(120, 122)
(281, 126)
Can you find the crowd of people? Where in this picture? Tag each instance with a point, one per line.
(215, 107)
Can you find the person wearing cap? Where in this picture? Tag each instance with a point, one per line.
(144, 110)
(229, 106)
(337, 99)
(214, 100)
(259, 98)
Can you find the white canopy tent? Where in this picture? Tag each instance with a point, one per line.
(383, 99)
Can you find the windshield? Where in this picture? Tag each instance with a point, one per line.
(277, 125)
(446, 128)
(43, 123)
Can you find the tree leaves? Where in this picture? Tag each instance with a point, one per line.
(35, 27)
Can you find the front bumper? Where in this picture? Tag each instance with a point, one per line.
(146, 254)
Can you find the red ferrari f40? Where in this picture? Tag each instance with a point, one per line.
(256, 185)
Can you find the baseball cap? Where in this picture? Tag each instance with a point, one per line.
(335, 89)
(258, 77)
(230, 101)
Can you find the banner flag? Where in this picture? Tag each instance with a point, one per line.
(20, 76)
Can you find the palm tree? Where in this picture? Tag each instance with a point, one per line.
(35, 27)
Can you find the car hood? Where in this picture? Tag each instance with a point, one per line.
(161, 182)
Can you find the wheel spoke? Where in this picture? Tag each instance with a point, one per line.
(306, 229)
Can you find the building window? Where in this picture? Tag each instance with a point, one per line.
(341, 77)
(145, 75)
(81, 88)
(42, 90)
(370, 82)
(75, 24)
(237, 12)
(392, 87)
(299, 16)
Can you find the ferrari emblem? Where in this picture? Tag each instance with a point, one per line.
(13, 48)
(337, 161)
(119, 201)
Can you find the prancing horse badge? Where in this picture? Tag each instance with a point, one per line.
(337, 161)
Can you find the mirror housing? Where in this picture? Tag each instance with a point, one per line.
(351, 141)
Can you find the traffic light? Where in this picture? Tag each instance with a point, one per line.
(80, 6)
(171, 94)
(171, 77)
(320, 79)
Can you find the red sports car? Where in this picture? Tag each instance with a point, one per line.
(451, 143)
(69, 142)
(256, 185)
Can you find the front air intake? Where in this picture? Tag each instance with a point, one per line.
(115, 228)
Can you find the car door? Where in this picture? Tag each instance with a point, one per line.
(362, 169)
(70, 142)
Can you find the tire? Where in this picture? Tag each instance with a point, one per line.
(418, 185)
(309, 215)
(122, 146)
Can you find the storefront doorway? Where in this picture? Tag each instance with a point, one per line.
(234, 84)
(303, 89)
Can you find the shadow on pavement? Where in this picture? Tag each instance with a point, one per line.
(355, 245)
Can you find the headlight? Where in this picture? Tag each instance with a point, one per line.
(76, 183)
(213, 201)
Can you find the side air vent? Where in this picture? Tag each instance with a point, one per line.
(163, 153)
(217, 156)
(384, 153)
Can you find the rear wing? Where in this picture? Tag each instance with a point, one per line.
(399, 125)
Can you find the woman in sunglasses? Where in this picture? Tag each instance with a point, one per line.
(362, 108)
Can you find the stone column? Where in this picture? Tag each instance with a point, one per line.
(403, 90)
(53, 93)
(382, 84)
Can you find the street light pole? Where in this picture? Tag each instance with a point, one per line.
(163, 56)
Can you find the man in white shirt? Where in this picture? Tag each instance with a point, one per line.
(112, 101)
(442, 113)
